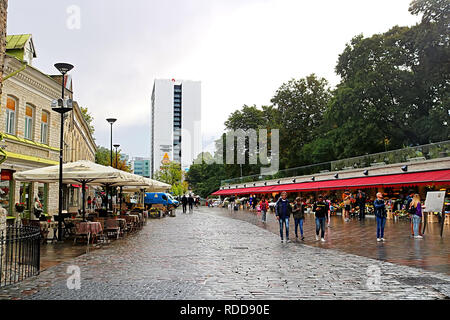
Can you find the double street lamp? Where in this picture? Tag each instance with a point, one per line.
(62, 107)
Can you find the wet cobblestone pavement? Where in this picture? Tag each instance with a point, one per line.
(206, 255)
(431, 253)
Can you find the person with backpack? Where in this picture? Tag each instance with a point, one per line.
(299, 217)
(264, 206)
(415, 212)
(320, 209)
(283, 212)
(380, 214)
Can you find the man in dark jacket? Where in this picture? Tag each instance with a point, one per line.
(283, 211)
(321, 209)
(184, 202)
(361, 203)
(191, 203)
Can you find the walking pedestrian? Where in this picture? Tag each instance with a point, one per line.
(299, 217)
(191, 203)
(232, 202)
(283, 212)
(408, 200)
(250, 202)
(184, 202)
(361, 203)
(255, 202)
(347, 198)
(264, 206)
(380, 214)
(320, 209)
(415, 212)
(89, 202)
(330, 210)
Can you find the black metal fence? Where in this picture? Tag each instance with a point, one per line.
(19, 253)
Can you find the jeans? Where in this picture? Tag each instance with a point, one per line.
(416, 223)
(286, 222)
(184, 208)
(299, 222)
(263, 213)
(381, 222)
(362, 212)
(320, 224)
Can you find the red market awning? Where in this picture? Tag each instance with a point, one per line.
(398, 180)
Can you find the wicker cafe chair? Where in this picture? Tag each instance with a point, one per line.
(112, 227)
(79, 233)
(102, 235)
(130, 224)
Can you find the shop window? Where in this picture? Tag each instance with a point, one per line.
(73, 196)
(6, 188)
(44, 127)
(43, 195)
(29, 113)
(25, 195)
(11, 105)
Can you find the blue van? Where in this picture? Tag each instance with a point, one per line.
(161, 198)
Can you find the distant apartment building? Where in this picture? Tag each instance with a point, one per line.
(141, 166)
(126, 158)
(175, 123)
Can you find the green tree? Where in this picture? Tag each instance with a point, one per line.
(300, 105)
(103, 157)
(172, 174)
(395, 87)
(89, 119)
(205, 178)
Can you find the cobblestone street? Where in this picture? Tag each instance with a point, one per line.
(206, 255)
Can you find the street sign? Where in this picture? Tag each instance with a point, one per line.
(166, 159)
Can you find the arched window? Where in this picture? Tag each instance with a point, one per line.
(11, 106)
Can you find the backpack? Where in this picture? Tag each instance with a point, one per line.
(412, 210)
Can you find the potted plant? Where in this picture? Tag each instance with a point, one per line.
(20, 207)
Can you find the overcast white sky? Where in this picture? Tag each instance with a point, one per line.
(241, 50)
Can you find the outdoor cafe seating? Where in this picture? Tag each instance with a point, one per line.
(92, 224)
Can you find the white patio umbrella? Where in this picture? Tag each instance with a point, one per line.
(83, 172)
(148, 185)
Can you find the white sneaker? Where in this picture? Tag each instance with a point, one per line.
(418, 237)
(382, 239)
(323, 240)
(378, 240)
(317, 238)
(288, 241)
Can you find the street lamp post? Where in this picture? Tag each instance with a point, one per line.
(117, 162)
(60, 107)
(111, 121)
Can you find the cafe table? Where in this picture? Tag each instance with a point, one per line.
(89, 228)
